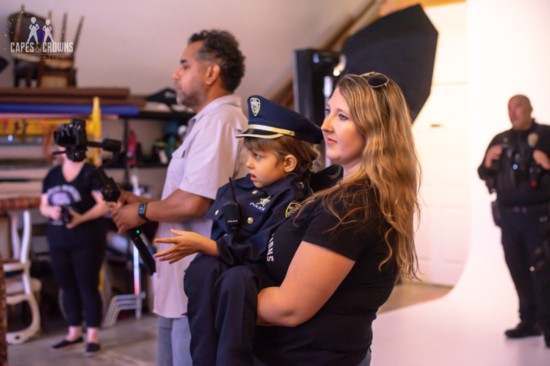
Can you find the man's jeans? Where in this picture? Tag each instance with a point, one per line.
(174, 338)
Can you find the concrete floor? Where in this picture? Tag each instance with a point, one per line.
(132, 342)
(128, 342)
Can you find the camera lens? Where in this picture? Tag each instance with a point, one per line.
(66, 216)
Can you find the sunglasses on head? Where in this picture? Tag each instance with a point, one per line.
(376, 80)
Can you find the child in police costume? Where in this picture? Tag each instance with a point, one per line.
(222, 284)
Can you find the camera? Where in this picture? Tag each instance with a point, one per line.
(66, 216)
(109, 188)
(111, 193)
(72, 136)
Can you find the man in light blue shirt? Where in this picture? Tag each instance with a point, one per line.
(211, 68)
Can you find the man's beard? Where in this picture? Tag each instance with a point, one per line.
(188, 100)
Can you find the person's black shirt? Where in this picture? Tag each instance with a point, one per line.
(340, 333)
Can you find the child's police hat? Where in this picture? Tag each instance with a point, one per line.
(268, 120)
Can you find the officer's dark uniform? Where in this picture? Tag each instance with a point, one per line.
(523, 199)
(223, 290)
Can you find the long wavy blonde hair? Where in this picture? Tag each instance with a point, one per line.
(389, 169)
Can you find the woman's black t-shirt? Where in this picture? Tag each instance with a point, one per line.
(341, 332)
(77, 195)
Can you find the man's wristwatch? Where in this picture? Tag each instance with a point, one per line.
(142, 209)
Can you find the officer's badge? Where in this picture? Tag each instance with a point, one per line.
(292, 208)
(260, 205)
(255, 106)
(264, 201)
(532, 139)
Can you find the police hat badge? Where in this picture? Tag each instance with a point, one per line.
(269, 120)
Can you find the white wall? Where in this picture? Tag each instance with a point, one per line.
(138, 43)
(441, 135)
(509, 53)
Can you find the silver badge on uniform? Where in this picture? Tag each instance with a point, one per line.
(255, 106)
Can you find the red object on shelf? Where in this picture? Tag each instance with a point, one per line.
(132, 147)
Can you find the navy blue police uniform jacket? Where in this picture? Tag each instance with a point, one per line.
(262, 210)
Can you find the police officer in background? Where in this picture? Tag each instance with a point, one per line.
(516, 166)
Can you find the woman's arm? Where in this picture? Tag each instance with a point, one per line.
(53, 212)
(313, 276)
(99, 209)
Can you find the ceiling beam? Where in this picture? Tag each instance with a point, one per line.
(428, 3)
(389, 6)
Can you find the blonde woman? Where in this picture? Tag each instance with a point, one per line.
(337, 261)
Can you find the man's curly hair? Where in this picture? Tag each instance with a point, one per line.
(222, 48)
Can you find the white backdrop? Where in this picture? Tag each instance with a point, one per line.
(509, 52)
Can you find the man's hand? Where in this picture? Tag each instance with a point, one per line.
(493, 153)
(124, 198)
(126, 217)
(541, 159)
(127, 197)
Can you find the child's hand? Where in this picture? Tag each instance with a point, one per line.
(185, 244)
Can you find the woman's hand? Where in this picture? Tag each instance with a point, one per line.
(98, 210)
(54, 212)
(76, 219)
(186, 243)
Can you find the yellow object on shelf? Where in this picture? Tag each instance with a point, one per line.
(19, 129)
(93, 129)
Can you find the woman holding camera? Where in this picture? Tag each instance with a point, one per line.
(76, 237)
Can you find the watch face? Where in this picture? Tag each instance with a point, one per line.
(141, 210)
